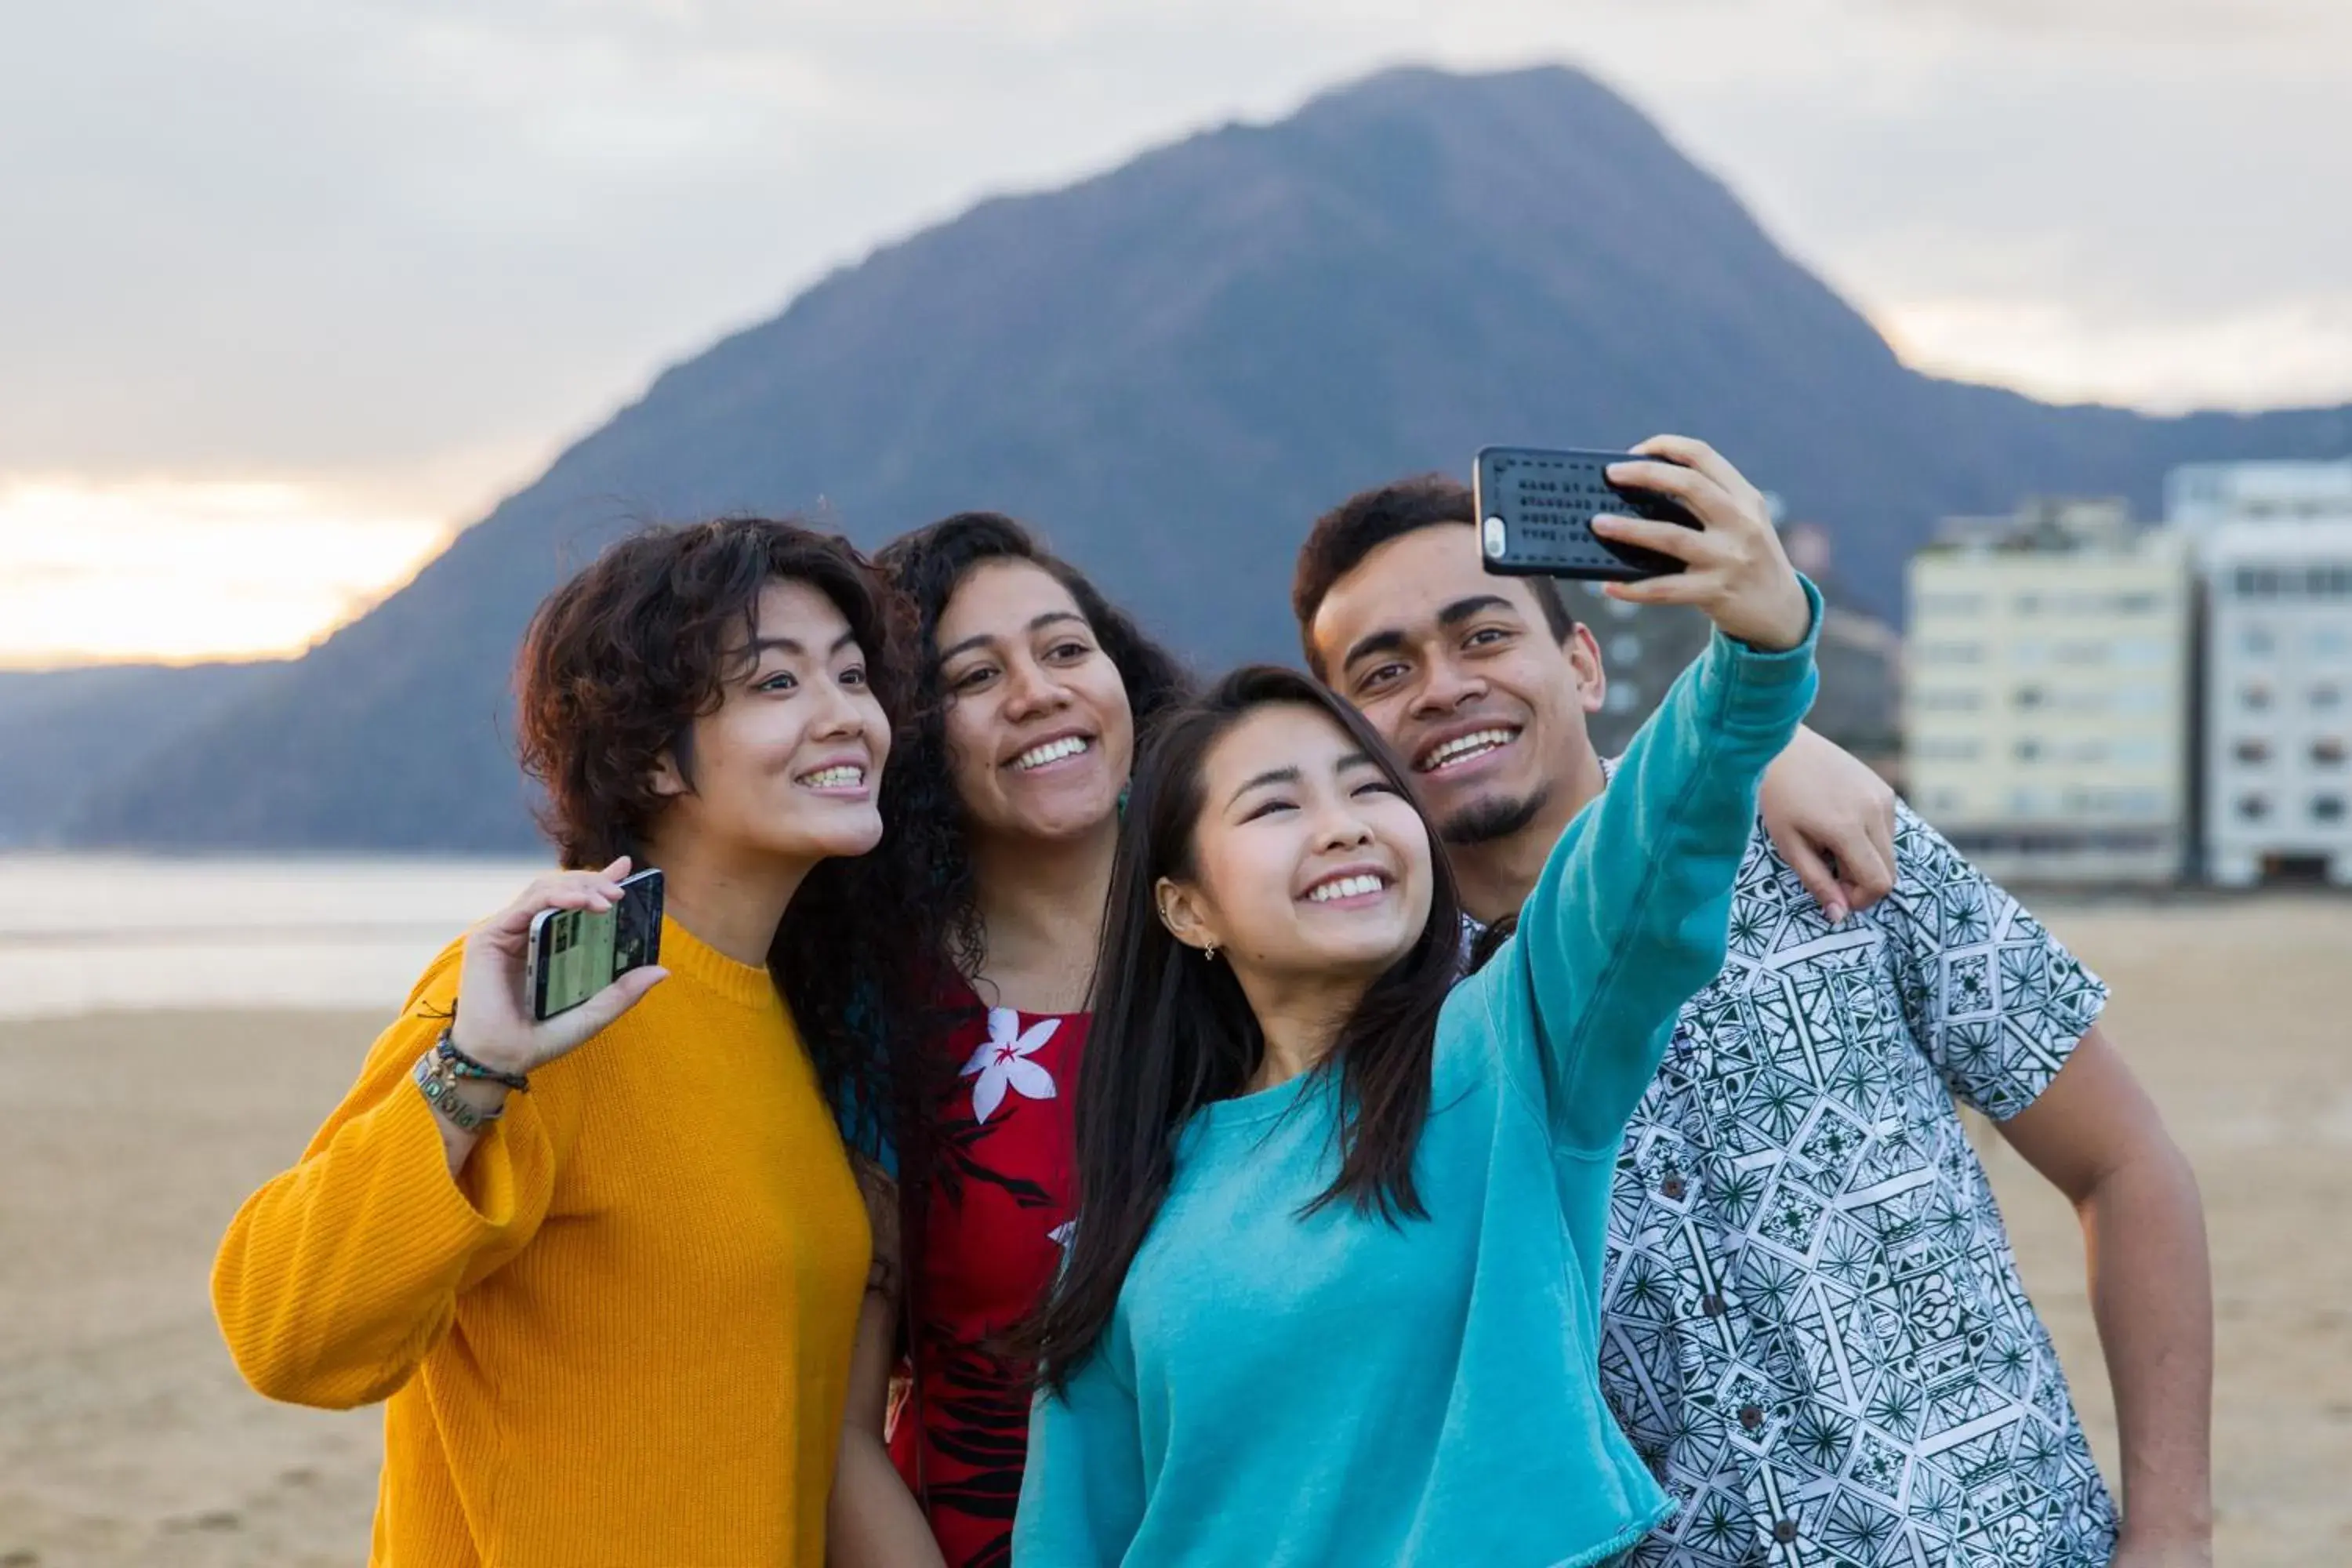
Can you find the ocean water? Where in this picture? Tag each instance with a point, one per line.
(84, 933)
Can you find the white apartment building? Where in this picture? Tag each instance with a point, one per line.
(2200, 498)
(2046, 693)
(2278, 697)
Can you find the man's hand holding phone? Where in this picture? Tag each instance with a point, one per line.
(494, 1024)
(1734, 567)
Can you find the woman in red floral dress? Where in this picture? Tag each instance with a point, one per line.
(1007, 793)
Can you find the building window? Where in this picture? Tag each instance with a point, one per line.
(2255, 642)
(2326, 695)
(2031, 697)
(2255, 695)
(1624, 697)
(2139, 748)
(1947, 748)
(2254, 807)
(2328, 751)
(1951, 653)
(2136, 603)
(1624, 648)
(1948, 700)
(2028, 654)
(2254, 752)
(2029, 749)
(2327, 808)
(1949, 603)
(2331, 642)
(2142, 652)
(2084, 653)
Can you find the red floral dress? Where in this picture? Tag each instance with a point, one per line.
(996, 1212)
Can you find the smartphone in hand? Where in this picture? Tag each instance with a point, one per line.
(1536, 506)
(574, 954)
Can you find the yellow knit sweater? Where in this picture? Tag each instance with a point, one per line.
(622, 1336)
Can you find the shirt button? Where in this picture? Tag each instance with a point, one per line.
(1711, 1304)
(1751, 1416)
(1785, 1531)
(1673, 1187)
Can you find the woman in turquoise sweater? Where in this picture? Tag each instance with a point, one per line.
(1331, 1296)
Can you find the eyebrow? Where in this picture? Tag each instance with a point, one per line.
(788, 646)
(1292, 776)
(1037, 623)
(1391, 639)
(1271, 777)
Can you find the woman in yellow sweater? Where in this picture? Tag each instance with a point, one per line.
(611, 1316)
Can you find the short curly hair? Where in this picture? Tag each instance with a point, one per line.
(618, 664)
(622, 659)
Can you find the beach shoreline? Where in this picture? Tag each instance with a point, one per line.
(127, 1437)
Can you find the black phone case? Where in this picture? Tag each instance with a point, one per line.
(1534, 515)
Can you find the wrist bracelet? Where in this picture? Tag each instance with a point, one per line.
(438, 1084)
(464, 1066)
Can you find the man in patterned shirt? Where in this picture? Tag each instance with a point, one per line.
(1814, 1326)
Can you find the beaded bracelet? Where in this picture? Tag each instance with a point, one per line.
(438, 1084)
(464, 1066)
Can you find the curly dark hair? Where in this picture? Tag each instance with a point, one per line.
(920, 804)
(616, 667)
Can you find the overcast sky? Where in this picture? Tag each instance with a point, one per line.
(314, 281)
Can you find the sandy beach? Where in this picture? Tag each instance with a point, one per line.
(126, 1437)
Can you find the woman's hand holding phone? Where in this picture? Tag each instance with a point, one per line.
(1735, 569)
(494, 1024)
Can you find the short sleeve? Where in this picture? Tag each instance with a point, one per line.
(1994, 1000)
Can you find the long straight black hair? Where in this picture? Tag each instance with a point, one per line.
(1173, 1033)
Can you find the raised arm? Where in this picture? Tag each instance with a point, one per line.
(339, 1275)
(1629, 917)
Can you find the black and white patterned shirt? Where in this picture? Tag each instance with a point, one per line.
(1814, 1331)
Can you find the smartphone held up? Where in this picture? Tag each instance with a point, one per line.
(575, 954)
(1536, 506)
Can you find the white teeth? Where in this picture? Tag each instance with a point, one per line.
(1476, 743)
(1051, 751)
(1345, 887)
(843, 777)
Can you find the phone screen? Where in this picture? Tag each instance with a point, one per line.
(577, 953)
(579, 957)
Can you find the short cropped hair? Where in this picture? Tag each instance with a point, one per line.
(1343, 536)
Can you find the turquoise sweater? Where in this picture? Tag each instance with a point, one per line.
(1283, 1392)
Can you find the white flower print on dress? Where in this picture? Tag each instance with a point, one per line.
(1003, 1061)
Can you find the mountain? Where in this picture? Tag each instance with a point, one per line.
(1172, 369)
(59, 730)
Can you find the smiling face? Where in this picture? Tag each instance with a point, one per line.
(785, 767)
(1459, 671)
(1039, 733)
(1306, 859)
